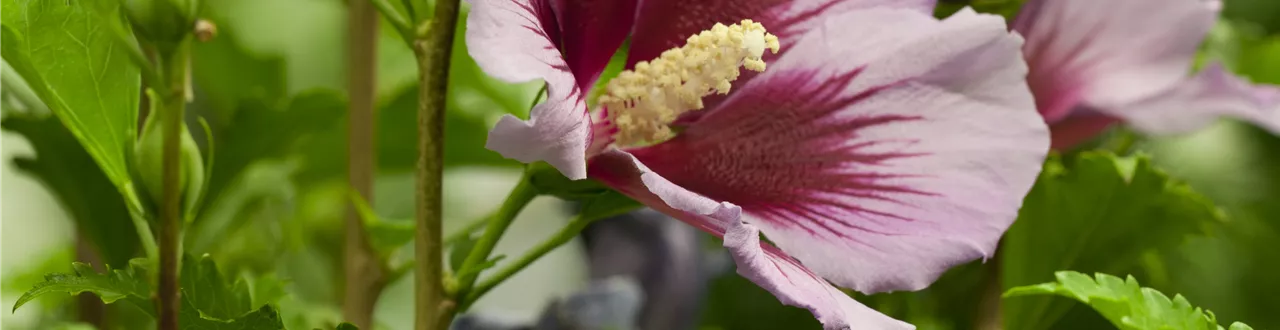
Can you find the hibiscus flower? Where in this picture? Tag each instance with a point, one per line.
(877, 148)
(1097, 62)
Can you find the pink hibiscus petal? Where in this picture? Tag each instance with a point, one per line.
(883, 149)
(1200, 100)
(558, 131)
(665, 24)
(513, 40)
(796, 286)
(759, 262)
(1080, 126)
(593, 30)
(1107, 53)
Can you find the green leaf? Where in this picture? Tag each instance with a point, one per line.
(608, 204)
(79, 185)
(459, 251)
(385, 236)
(264, 318)
(209, 301)
(66, 52)
(205, 288)
(549, 181)
(115, 285)
(1099, 213)
(349, 326)
(1126, 304)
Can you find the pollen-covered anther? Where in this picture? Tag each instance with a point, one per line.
(644, 100)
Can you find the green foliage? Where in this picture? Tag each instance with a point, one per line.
(79, 185)
(458, 252)
(265, 318)
(1127, 305)
(384, 235)
(549, 181)
(126, 284)
(1263, 12)
(733, 302)
(259, 131)
(1007, 8)
(1094, 212)
(349, 326)
(209, 302)
(66, 52)
(608, 204)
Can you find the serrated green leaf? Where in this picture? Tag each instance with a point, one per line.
(264, 318)
(210, 302)
(70, 59)
(1094, 212)
(115, 285)
(79, 185)
(1126, 304)
(204, 287)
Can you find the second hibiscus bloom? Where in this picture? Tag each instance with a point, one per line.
(878, 149)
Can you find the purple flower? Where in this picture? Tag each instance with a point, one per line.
(1097, 62)
(878, 148)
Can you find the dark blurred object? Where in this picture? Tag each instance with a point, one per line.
(663, 254)
(612, 303)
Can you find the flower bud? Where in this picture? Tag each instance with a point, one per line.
(161, 21)
(148, 159)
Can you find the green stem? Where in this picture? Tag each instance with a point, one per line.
(435, 308)
(364, 271)
(567, 233)
(173, 101)
(145, 236)
(520, 196)
(397, 19)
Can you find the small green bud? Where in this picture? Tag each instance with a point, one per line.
(148, 158)
(161, 21)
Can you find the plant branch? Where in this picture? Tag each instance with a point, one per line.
(396, 18)
(521, 195)
(567, 233)
(173, 100)
(434, 308)
(364, 271)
